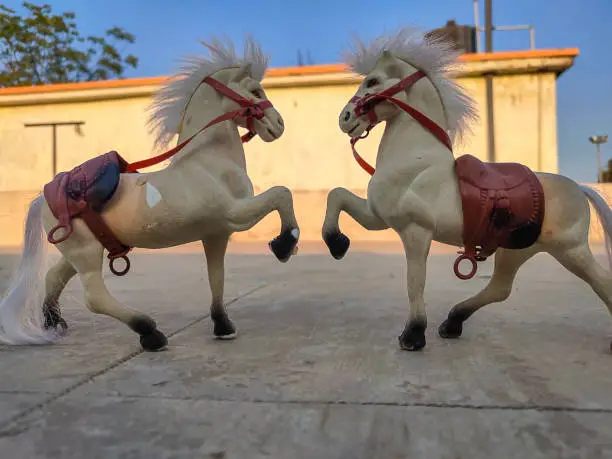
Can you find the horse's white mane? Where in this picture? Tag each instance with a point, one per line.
(170, 101)
(434, 57)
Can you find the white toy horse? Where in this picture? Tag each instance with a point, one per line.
(420, 191)
(203, 195)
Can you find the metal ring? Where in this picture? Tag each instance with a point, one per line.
(471, 273)
(365, 134)
(67, 228)
(111, 265)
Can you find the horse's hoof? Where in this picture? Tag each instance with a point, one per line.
(412, 338)
(58, 324)
(284, 245)
(61, 327)
(53, 318)
(450, 329)
(154, 341)
(223, 328)
(151, 339)
(338, 244)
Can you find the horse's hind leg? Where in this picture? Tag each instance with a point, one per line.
(85, 254)
(215, 248)
(507, 264)
(57, 278)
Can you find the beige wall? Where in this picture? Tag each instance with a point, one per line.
(312, 157)
(109, 125)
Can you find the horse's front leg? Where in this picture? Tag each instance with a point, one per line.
(246, 213)
(215, 248)
(417, 242)
(338, 200)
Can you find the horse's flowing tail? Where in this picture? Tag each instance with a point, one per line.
(605, 217)
(21, 310)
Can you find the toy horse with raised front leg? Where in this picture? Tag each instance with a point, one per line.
(204, 194)
(423, 193)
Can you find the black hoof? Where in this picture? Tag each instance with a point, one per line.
(450, 329)
(412, 338)
(53, 318)
(151, 339)
(283, 246)
(223, 327)
(338, 244)
(154, 341)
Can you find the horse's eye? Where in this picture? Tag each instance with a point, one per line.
(371, 82)
(257, 93)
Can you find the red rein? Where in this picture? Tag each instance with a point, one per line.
(248, 109)
(365, 106)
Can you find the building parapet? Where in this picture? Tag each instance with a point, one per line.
(473, 65)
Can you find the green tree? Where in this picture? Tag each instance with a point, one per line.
(45, 48)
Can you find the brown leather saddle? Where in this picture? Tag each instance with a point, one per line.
(83, 193)
(503, 206)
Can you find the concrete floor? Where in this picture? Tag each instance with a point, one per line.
(316, 371)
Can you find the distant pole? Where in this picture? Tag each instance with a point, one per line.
(54, 138)
(489, 26)
(599, 168)
(489, 82)
(477, 26)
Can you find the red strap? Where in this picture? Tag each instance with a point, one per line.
(159, 158)
(365, 105)
(426, 122)
(403, 85)
(362, 162)
(249, 110)
(227, 92)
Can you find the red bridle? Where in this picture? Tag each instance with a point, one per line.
(365, 106)
(248, 109)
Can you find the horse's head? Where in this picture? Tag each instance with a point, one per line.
(266, 121)
(369, 106)
(222, 87)
(404, 73)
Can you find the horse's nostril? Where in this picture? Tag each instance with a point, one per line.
(347, 116)
(280, 122)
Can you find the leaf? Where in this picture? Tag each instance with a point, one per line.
(131, 60)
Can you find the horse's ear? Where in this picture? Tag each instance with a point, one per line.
(386, 55)
(393, 70)
(243, 72)
(386, 59)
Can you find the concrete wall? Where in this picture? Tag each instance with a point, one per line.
(311, 158)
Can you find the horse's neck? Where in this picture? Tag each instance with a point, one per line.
(405, 139)
(217, 141)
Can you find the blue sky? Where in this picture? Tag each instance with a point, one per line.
(164, 33)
